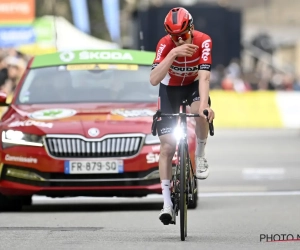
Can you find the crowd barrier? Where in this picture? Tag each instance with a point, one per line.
(261, 109)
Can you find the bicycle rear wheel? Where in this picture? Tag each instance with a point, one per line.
(183, 193)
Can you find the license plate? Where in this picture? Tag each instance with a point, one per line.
(94, 167)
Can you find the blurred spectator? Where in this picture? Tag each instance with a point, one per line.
(13, 67)
(229, 78)
(297, 84)
(263, 77)
(288, 82)
(234, 69)
(3, 69)
(233, 78)
(217, 74)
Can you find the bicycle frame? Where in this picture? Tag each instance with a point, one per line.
(183, 180)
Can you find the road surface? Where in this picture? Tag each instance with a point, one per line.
(252, 195)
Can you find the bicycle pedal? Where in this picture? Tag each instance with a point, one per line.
(166, 222)
(198, 178)
(166, 219)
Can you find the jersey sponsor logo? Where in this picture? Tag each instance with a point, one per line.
(206, 49)
(197, 98)
(184, 71)
(164, 131)
(160, 50)
(205, 67)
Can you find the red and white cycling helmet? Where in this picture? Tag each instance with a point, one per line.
(178, 21)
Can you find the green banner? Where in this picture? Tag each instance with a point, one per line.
(94, 56)
(45, 31)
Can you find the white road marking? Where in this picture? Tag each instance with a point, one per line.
(253, 194)
(263, 173)
(43, 199)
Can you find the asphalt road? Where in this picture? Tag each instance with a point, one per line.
(253, 192)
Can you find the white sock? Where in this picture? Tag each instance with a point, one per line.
(165, 186)
(200, 147)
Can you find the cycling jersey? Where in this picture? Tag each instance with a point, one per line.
(184, 70)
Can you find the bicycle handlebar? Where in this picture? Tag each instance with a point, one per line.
(159, 114)
(210, 124)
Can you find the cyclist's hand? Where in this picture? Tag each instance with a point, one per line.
(185, 50)
(211, 113)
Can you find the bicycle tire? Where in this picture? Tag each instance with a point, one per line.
(183, 195)
(193, 190)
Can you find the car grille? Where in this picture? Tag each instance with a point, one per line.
(115, 146)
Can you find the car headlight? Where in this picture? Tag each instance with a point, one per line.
(19, 138)
(150, 139)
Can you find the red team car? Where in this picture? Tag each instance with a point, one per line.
(79, 124)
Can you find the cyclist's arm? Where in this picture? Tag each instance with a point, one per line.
(204, 69)
(163, 60)
(161, 69)
(204, 78)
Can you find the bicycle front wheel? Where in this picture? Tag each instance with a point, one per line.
(183, 193)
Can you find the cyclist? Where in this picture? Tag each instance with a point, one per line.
(182, 68)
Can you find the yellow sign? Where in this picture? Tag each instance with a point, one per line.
(246, 110)
(81, 67)
(35, 49)
(102, 67)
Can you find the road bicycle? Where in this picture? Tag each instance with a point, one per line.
(184, 181)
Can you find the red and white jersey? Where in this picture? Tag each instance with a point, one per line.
(184, 70)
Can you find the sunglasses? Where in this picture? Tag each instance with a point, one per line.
(184, 36)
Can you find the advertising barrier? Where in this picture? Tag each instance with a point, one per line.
(253, 109)
(16, 17)
(14, 36)
(17, 11)
(262, 109)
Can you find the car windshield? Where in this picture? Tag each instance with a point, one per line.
(88, 83)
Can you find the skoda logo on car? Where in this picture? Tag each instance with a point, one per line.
(93, 132)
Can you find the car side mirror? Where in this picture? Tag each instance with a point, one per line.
(3, 97)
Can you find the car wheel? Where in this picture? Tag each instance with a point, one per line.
(12, 203)
(26, 200)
